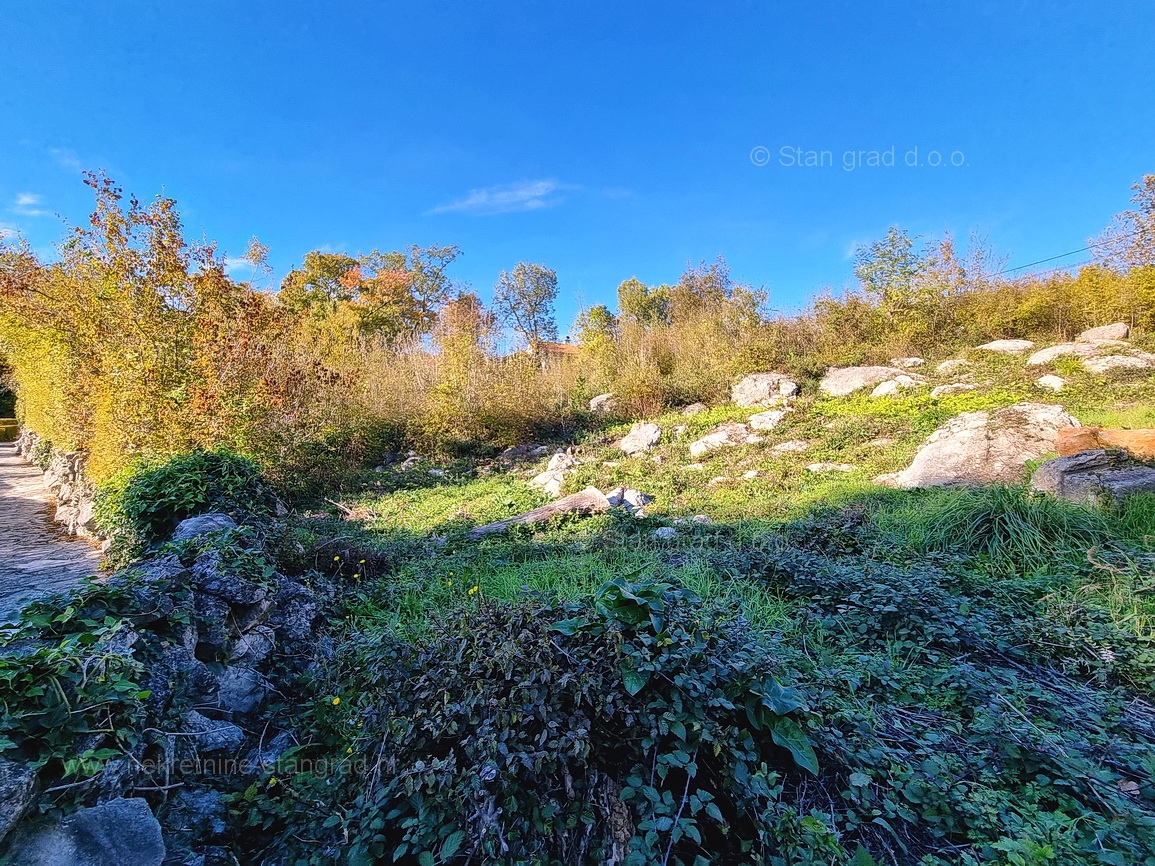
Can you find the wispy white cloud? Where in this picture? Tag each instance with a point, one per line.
(236, 264)
(525, 195)
(7, 230)
(67, 158)
(26, 203)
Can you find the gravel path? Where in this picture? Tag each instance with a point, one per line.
(35, 558)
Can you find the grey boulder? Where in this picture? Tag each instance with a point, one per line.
(642, 437)
(841, 381)
(1091, 477)
(1116, 331)
(121, 832)
(202, 524)
(763, 389)
(984, 447)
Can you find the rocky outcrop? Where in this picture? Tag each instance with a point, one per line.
(1116, 331)
(1092, 477)
(65, 477)
(214, 639)
(842, 381)
(726, 436)
(763, 390)
(1106, 365)
(1007, 347)
(642, 437)
(17, 784)
(1078, 350)
(985, 447)
(121, 832)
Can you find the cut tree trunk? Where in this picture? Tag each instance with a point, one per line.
(589, 501)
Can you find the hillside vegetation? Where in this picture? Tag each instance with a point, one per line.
(777, 660)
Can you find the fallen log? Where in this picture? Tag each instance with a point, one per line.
(588, 501)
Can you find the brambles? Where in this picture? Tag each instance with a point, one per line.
(643, 728)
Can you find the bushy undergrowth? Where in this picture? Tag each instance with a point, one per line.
(142, 504)
(642, 728)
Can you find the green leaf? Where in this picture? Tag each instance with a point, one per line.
(451, 844)
(571, 626)
(425, 858)
(789, 735)
(633, 680)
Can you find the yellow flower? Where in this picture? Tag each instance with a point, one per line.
(272, 781)
(349, 751)
(356, 576)
(336, 559)
(474, 589)
(336, 701)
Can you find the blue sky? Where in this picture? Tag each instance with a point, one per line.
(604, 140)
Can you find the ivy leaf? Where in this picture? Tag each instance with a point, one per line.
(633, 680)
(787, 734)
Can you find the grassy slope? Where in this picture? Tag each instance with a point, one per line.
(1084, 635)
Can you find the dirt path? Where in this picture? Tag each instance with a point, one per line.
(35, 559)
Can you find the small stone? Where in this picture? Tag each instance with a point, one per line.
(636, 498)
(213, 735)
(768, 420)
(791, 445)
(907, 363)
(702, 519)
(695, 467)
(885, 389)
(694, 408)
(953, 388)
(830, 467)
(253, 647)
(665, 533)
(602, 403)
(952, 366)
(719, 479)
(616, 496)
(436, 473)
(1051, 383)
(750, 474)
(242, 690)
(642, 437)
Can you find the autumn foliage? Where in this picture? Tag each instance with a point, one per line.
(136, 341)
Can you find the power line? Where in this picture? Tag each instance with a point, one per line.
(1101, 243)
